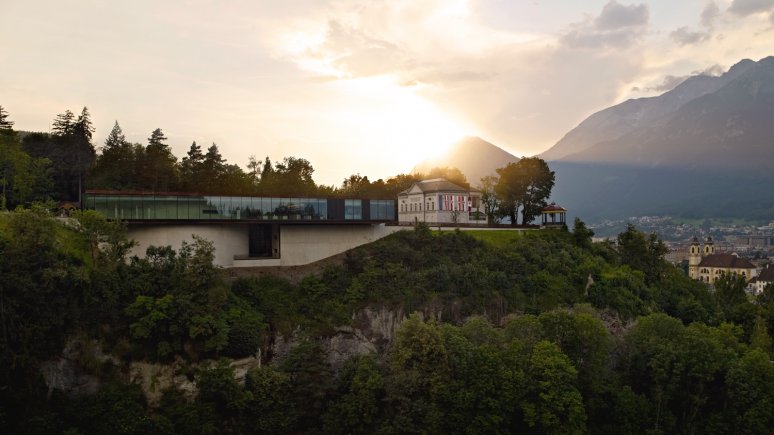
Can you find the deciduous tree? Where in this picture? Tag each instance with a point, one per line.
(489, 197)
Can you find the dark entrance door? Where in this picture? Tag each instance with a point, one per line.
(261, 241)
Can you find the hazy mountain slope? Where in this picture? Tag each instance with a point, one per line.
(619, 120)
(473, 156)
(712, 156)
(729, 129)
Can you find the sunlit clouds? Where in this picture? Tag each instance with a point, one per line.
(358, 85)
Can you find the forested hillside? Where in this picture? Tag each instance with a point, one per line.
(541, 332)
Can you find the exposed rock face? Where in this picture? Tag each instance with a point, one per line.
(155, 378)
(347, 342)
(70, 373)
(373, 331)
(379, 324)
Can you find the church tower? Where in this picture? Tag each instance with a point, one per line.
(694, 258)
(709, 247)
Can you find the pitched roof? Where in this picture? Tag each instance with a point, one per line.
(553, 207)
(726, 260)
(437, 185)
(766, 274)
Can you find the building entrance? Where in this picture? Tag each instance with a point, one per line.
(264, 241)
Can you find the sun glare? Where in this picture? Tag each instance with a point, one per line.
(395, 118)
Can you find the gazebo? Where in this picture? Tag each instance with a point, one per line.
(554, 215)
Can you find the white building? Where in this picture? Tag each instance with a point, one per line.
(439, 201)
(763, 279)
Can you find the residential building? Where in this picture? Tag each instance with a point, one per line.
(764, 278)
(439, 201)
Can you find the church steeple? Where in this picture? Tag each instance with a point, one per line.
(709, 247)
(694, 258)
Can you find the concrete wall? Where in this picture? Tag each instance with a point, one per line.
(304, 244)
(230, 239)
(299, 244)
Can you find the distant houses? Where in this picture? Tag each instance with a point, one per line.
(439, 201)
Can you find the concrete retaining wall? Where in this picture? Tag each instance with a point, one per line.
(304, 244)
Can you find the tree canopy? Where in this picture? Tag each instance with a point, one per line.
(524, 186)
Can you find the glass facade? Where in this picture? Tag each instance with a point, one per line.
(191, 207)
(382, 209)
(353, 209)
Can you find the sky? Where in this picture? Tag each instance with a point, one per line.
(358, 86)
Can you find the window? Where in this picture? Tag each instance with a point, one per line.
(382, 209)
(353, 209)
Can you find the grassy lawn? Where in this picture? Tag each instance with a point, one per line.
(494, 237)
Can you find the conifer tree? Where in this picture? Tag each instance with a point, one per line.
(83, 152)
(116, 167)
(158, 170)
(63, 124)
(191, 168)
(83, 127)
(115, 139)
(5, 124)
(213, 168)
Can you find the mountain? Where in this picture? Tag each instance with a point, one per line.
(617, 121)
(704, 149)
(475, 157)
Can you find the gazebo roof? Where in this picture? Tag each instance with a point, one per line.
(553, 208)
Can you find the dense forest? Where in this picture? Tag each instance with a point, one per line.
(538, 332)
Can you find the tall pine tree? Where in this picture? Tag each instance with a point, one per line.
(5, 125)
(159, 171)
(191, 169)
(116, 166)
(63, 124)
(83, 152)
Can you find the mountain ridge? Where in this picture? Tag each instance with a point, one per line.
(473, 156)
(621, 119)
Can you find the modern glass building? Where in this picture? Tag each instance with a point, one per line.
(188, 207)
(259, 220)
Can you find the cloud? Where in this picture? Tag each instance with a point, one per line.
(709, 14)
(617, 26)
(684, 36)
(748, 7)
(346, 51)
(616, 16)
(713, 71)
(670, 82)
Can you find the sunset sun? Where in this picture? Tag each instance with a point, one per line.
(398, 119)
